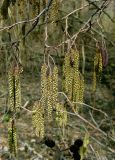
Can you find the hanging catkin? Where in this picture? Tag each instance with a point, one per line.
(82, 87)
(17, 89)
(61, 115)
(75, 55)
(76, 86)
(71, 75)
(53, 12)
(44, 85)
(68, 76)
(55, 86)
(49, 96)
(38, 119)
(97, 71)
(11, 89)
(96, 60)
(12, 138)
(14, 88)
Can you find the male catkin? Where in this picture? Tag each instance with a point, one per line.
(12, 138)
(44, 85)
(49, 97)
(61, 115)
(55, 86)
(38, 119)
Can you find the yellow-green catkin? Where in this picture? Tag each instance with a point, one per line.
(96, 59)
(35, 7)
(14, 88)
(38, 119)
(44, 85)
(96, 63)
(55, 86)
(71, 75)
(11, 89)
(82, 87)
(61, 115)
(68, 76)
(76, 86)
(12, 138)
(17, 89)
(75, 55)
(49, 97)
(76, 77)
(21, 8)
(53, 12)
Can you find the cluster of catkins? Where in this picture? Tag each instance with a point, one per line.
(49, 101)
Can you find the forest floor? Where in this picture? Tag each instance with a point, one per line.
(31, 147)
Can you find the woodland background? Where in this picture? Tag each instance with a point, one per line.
(27, 44)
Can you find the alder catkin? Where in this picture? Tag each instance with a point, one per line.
(61, 115)
(38, 119)
(11, 90)
(75, 54)
(53, 12)
(44, 85)
(17, 90)
(12, 138)
(76, 86)
(71, 75)
(54, 86)
(82, 87)
(68, 76)
(49, 97)
(14, 88)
